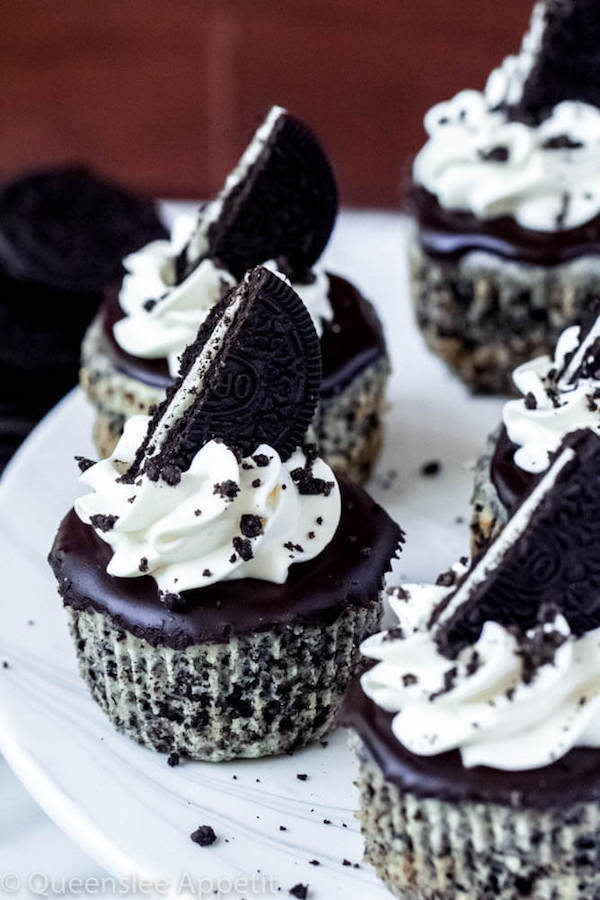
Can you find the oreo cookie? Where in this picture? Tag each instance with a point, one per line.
(567, 66)
(252, 376)
(548, 553)
(280, 202)
(68, 230)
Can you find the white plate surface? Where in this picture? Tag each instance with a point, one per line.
(123, 804)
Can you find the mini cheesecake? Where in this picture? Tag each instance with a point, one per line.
(505, 194)
(279, 204)
(477, 724)
(558, 394)
(220, 578)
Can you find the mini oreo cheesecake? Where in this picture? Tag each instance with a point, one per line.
(505, 252)
(478, 726)
(278, 208)
(219, 578)
(558, 395)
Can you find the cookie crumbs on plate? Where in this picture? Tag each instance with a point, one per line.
(300, 891)
(204, 836)
(432, 467)
(302, 777)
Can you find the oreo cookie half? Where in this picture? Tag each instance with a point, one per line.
(252, 376)
(67, 229)
(567, 66)
(584, 361)
(548, 553)
(280, 202)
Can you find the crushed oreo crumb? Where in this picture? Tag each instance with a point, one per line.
(251, 526)
(261, 459)
(446, 579)
(103, 523)
(243, 548)
(302, 777)
(84, 463)
(228, 490)
(409, 679)
(173, 759)
(143, 566)
(204, 836)
(256, 483)
(561, 142)
(495, 154)
(530, 401)
(293, 548)
(206, 573)
(300, 891)
(449, 678)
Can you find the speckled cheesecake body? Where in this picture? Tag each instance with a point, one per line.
(485, 315)
(434, 830)
(348, 423)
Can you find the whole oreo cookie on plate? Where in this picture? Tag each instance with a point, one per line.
(62, 233)
(505, 249)
(219, 552)
(277, 207)
(481, 710)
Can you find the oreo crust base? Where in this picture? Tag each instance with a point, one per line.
(349, 420)
(284, 654)
(437, 831)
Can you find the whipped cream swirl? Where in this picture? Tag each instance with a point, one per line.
(550, 408)
(485, 703)
(162, 317)
(224, 520)
(476, 160)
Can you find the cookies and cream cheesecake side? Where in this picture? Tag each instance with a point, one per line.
(219, 578)
(477, 724)
(262, 216)
(506, 197)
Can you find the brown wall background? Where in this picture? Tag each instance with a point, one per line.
(163, 94)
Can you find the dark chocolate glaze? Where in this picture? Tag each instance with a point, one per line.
(448, 234)
(512, 483)
(574, 778)
(350, 343)
(349, 570)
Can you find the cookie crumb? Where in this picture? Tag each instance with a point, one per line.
(204, 836)
(302, 776)
(300, 891)
(173, 759)
(432, 467)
